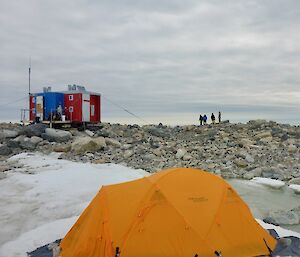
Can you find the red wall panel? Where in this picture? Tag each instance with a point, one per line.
(31, 107)
(76, 103)
(95, 108)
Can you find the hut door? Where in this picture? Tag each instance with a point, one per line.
(40, 107)
(85, 107)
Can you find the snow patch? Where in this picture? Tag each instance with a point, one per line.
(40, 207)
(273, 183)
(295, 187)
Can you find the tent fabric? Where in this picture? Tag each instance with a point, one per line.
(180, 212)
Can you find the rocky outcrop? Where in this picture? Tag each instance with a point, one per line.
(34, 130)
(6, 133)
(87, 144)
(56, 135)
(255, 149)
(5, 150)
(284, 217)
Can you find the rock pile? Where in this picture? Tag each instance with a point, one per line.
(258, 148)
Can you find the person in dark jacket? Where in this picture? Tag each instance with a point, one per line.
(219, 116)
(213, 118)
(201, 119)
(204, 119)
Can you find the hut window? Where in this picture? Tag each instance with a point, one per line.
(71, 109)
(71, 98)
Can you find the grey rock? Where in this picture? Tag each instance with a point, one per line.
(89, 133)
(87, 144)
(295, 181)
(26, 143)
(112, 142)
(283, 217)
(158, 132)
(13, 144)
(5, 150)
(240, 163)
(262, 135)
(102, 133)
(64, 148)
(126, 146)
(187, 157)
(128, 154)
(35, 140)
(56, 135)
(2, 176)
(180, 153)
(4, 168)
(249, 158)
(252, 173)
(292, 149)
(6, 133)
(34, 130)
(157, 152)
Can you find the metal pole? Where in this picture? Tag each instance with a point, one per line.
(29, 71)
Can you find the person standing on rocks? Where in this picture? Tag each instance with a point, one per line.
(201, 119)
(204, 119)
(213, 118)
(219, 117)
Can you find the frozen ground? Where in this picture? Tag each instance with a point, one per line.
(41, 201)
(39, 208)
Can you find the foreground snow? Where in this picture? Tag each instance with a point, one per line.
(41, 207)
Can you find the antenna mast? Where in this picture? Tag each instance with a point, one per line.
(29, 71)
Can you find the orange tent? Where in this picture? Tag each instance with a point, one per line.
(179, 212)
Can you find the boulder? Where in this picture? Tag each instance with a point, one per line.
(158, 132)
(262, 135)
(35, 140)
(4, 168)
(27, 144)
(5, 150)
(102, 133)
(56, 135)
(13, 144)
(62, 148)
(87, 144)
(157, 152)
(126, 146)
(34, 130)
(180, 153)
(249, 158)
(112, 142)
(295, 181)
(6, 133)
(128, 154)
(255, 124)
(252, 173)
(292, 149)
(240, 163)
(187, 157)
(89, 133)
(281, 217)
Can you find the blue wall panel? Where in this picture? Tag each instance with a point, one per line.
(51, 101)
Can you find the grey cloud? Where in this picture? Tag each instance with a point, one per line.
(149, 54)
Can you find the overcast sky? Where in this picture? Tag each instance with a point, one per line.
(154, 56)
